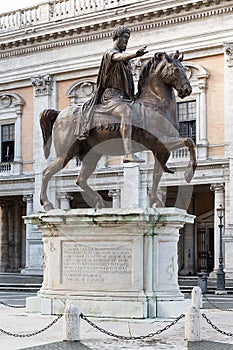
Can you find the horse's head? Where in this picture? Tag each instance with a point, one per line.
(172, 72)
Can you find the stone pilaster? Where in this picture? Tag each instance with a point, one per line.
(34, 245)
(44, 97)
(228, 127)
(202, 142)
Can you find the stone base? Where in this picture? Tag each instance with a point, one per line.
(171, 308)
(111, 264)
(115, 308)
(137, 309)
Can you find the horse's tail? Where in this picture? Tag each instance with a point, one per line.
(47, 119)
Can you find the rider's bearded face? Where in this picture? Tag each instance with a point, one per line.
(122, 41)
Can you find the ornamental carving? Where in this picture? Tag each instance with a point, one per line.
(5, 101)
(42, 85)
(229, 53)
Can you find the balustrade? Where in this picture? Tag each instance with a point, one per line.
(179, 154)
(5, 168)
(55, 10)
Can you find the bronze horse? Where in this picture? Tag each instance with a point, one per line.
(155, 128)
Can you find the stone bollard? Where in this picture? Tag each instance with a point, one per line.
(71, 324)
(193, 315)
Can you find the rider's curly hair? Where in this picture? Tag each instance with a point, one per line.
(119, 31)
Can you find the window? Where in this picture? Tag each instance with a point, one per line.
(186, 112)
(7, 142)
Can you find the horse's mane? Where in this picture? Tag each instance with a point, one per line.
(152, 63)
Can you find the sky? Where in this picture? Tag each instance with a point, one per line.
(9, 5)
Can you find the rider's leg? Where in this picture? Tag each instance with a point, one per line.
(124, 112)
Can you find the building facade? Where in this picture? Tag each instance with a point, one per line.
(50, 55)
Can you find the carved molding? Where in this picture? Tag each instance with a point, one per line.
(218, 187)
(11, 100)
(93, 32)
(229, 54)
(42, 85)
(28, 198)
(80, 91)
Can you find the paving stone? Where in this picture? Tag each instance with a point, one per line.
(60, 346)
(209, 345)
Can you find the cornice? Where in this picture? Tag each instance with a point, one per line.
(32, 40)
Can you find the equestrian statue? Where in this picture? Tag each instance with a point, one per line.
(115, 121)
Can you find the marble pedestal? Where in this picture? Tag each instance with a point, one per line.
(119, 263)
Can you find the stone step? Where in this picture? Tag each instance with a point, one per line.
(18, 282)
(187, 283)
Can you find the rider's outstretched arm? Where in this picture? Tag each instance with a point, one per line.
(126, 56)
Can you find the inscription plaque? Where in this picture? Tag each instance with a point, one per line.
(87, 263)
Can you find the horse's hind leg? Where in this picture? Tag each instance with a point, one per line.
(48, 172)
(157, 174)
(89, 163)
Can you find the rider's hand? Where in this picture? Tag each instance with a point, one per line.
(141, 51)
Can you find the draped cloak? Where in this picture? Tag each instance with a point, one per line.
(114, 86)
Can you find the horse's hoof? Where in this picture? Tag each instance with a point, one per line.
(188, 175)
(99, 204)
(48, 206)
(168, 170)
(157, 203)
(132, 158)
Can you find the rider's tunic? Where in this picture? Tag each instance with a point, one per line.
(114, 86)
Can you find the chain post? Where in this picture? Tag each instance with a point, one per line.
(71, 324)
(193, 315)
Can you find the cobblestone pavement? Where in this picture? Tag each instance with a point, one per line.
(60, 346)
(208, 345)
(19, 322)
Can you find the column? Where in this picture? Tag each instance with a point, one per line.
(188, 253)
(115, 194)
(64, 200)
(4, 237)
(219, 198)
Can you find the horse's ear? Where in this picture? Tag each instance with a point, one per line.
(168, 58)
(158, 56)
(181, 57)
(176, 55)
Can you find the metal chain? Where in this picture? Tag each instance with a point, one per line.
(215, 327)
(14, 306)
(150, 335)
(31, 334)
(215, 306)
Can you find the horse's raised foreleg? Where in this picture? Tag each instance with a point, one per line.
(189, 172)
(89, 163)
(48, 172)
(188, 142)
(155, 197)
